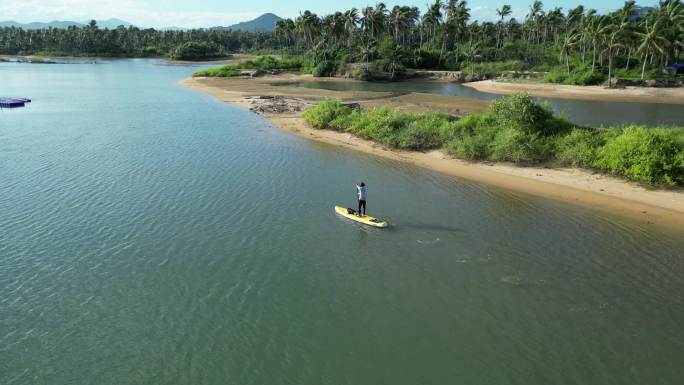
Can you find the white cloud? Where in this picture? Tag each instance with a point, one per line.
(129, 10)
(488, 13)
(482, 13)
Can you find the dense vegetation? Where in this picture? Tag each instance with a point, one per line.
(129, 41)
(517, 129)
(579, 46)
(197, 50)
(266, 63)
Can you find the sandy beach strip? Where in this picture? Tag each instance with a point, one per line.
(627, 94)
(663, 208)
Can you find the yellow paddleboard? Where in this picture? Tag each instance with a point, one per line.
(366, 219)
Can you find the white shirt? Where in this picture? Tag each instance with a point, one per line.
(361, 192)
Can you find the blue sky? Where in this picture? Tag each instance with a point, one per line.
(204, 13)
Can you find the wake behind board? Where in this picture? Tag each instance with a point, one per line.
(366, 219)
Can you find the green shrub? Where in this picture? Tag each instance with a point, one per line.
(323, 113)
(272, 63)
(324, 69)
(579, 147)
(580, 75)
(448, 130)
(517, 130)
(217, 72)
(557, 76)
(426, 132)
(474, 122)
(678, 135)
(197, 50)
(491, 69)
(635, 73)
(361, 73)
(382, 125)
(418, 136)
(645, 155)
(522, 113)
(584, 77)
(426, 59)
(516, 146)
(372, 72)
(344, 122)
(266, 63)
(474, 146)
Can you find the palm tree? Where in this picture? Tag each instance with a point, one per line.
(403, 20)
(281, 29)
(394, 59)
(502, 13)
(373, 20)
(613, 43)
(651, 42)
(671, 16)
(536, 12)
(575, 16)
(412, 18)
(351, 19)
(291, 29)
(433, 18)
(454, 13)
(594, 31)
(471, 52)
(450, 8)
(367, 20)
(368, 50)
(308, 25)
(397, 19)
(569, 41)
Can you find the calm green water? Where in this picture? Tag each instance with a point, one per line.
(590, 113)
(152, 235)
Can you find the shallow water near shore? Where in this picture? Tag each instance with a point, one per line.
(151, 234)
(585, 112)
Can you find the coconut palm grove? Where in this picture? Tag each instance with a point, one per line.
(574, 46)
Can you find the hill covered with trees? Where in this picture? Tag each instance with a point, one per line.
(263, 23)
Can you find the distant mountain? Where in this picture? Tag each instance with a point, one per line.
(53, 24)
(109, 23)
(263, 23)
(112, 23)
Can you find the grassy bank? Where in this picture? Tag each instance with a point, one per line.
(264, 63)
(517, 129)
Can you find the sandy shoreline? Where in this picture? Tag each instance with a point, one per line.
(627, 94)
(657, 207)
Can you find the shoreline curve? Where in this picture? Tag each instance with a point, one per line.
(661, 208)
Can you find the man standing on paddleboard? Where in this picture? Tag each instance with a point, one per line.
(361, 195)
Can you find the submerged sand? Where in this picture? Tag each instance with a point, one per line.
(658, 207)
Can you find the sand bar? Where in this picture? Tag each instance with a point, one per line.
(628, 94)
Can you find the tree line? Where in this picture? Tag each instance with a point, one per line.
(579, 46)
(128, 41)
(444, 35)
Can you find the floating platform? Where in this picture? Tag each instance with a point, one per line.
(13, 102)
